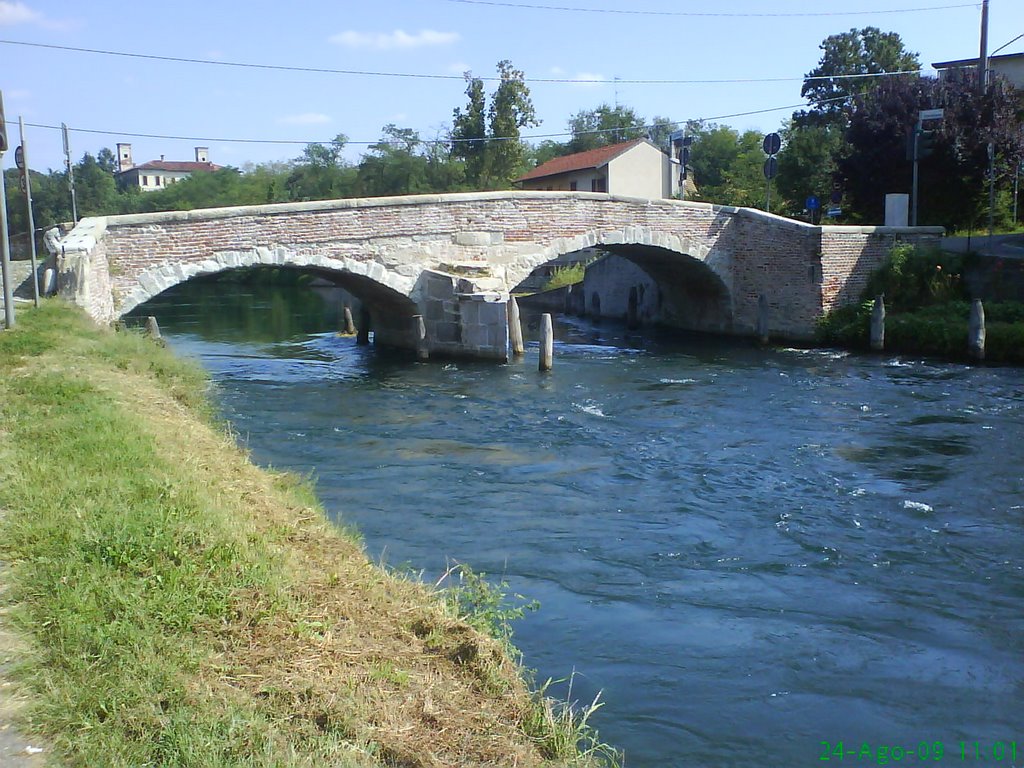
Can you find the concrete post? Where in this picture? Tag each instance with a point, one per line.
(350, 326)
(976, 331)
(632, 319)
(363, 334)
(878, 324)
(152, 328)
(419, 330)
(547, 343)
(515, 328)
(762, 319)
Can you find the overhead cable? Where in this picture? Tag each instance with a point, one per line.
(710, 14)
(427, 76)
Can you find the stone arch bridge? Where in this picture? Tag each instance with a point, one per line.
(454, 258)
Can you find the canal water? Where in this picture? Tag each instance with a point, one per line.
(752, 555)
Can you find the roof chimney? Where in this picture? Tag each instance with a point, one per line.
(202, 154)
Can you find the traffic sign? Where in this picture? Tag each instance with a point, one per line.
(772, 144)
(930, 114)
(19, 157)
(771, 167)
(836, 196)
(834, 211)
(812, 203)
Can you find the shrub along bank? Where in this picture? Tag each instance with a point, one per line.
(927, 311)
(186, 608)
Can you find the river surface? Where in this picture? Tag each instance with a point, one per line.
(752, 554)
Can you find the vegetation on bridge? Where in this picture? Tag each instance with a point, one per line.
(187, 608)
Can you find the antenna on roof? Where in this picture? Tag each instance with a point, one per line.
(616, 78)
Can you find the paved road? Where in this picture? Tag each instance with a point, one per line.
(1001, 246)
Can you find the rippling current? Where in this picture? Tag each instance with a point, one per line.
(747, 552)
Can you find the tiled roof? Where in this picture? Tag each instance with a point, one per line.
(592, 158)
(188, 166)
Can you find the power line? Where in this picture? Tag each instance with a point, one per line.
(531, 137)
(710, 14)
(426, 76)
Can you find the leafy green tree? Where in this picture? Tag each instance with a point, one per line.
(469, 131)
(593, 128)
(857, 52)
(392, 166)
(727, 166)
(95, 190)
(322, 173)
(807, 164)
(660, 129)
(511, 109)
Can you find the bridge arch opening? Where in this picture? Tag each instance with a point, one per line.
(387, 312)
(637, 283)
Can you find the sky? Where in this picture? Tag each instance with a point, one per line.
(596, 48)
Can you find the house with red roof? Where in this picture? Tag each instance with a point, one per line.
(631, 168)
(159, 174)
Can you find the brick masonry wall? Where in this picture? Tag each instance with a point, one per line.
(802, 269)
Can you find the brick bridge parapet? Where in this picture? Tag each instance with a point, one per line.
(454, 258)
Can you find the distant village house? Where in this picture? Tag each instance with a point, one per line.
(159, 174)
(631, 168)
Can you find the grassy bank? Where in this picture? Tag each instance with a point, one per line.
(185, 608)
(927, 311)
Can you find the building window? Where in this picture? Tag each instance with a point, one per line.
(598, 185)
(145, 181)
(572, 186)
(156, 181)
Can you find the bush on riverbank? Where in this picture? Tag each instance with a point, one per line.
(927, 311)
(187, 608)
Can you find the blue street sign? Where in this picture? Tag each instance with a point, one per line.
(833, 212)
(812, 204)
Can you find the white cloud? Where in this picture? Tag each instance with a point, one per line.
(385, 41)
(16, 13)
(305, 118)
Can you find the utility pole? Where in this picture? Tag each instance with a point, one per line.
(71, 173)
(26, 186)
(983, 55)
(5, 254)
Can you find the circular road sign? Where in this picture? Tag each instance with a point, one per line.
(771, 167)
(19, 157)
(772, 144)
(812, 203)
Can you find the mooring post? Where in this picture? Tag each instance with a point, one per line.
(878, 323)
(547, 343)
(419, 330)
(632, 314)
(152, 329)
(363, 334)
(976, 331)
(762, 318)
(350, 326)
(515, 327)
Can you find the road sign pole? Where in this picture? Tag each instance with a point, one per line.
(913, 188)
(5, 254)
(31, 219)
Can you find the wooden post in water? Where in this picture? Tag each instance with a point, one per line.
(976, 331)
(350, 327)
(363, 334)
(152, 328)
(762, 319)
(547, 343)
(632, 313)
(419, 330)
(878, 323)
(515, 328)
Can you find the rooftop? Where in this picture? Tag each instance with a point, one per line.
(592, 158)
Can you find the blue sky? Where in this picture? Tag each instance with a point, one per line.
(434, 37)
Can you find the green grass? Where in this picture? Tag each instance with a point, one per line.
(563, 276)
(185, 609)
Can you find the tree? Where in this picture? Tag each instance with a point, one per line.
(321, 173)
(807, 163)
(952, 184)
(392, 166)
(95, 190)
(857, 52)
(727, 165)
(511, 109)
(593, 128)
(469, 130)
